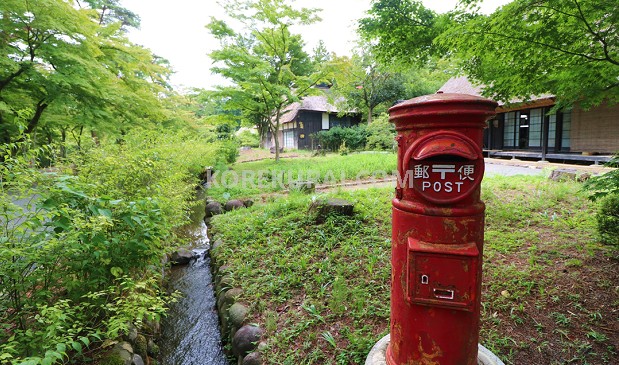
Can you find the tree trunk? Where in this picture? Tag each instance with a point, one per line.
(63, 142)
(78, 137)
(276, 139)
(370, 112)
(32, 124)
(95, 138)
(276, 135)
(262, 132)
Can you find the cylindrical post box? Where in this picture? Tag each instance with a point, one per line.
(438, 230)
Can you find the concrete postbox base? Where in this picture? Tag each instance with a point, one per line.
(377, 355)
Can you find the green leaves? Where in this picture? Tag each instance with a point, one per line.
(565, 48)
(527, 48)
(405, 30)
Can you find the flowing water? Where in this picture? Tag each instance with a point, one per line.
(190, 333)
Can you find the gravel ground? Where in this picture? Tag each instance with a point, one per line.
(511, 170)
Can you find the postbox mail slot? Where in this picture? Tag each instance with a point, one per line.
(442, 144)
(442, 275)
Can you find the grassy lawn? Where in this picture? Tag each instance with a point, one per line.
(321, 291)
(267, 176)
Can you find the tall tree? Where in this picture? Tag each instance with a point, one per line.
(59, 58)
(402, 31)
(363, 84)
(265, 60)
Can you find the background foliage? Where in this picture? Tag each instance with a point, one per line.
(565, 48)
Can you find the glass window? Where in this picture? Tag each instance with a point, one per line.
(325, 121)
(566, 140)
(552, 130)
(509, 132)
(535, 127)
(289, 139)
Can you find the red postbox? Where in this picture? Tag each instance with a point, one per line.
(438, 230)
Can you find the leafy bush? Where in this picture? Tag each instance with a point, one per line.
(608, 219)
(154, 165)
(248, 139)
(228, 151)
(606, 188)
(354, 138)
(381, 134)
(604, 184)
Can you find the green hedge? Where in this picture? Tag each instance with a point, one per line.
(377, 136)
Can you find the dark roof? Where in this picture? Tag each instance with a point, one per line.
(462, 85)
(318, 103)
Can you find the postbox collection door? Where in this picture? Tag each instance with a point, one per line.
(442, 276)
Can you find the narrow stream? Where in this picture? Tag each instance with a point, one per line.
(190, 333)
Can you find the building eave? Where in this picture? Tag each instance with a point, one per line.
(462, 85)
(537, 103)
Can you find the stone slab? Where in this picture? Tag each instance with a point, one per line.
(377, 355)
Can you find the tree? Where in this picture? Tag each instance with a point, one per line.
(402, 31)
(364, 84)
(568, 48)
(65, 67)
(110, 11)
(321, 55)
(266, 62)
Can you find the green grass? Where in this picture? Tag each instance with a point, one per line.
(249, 179)
(322, 290)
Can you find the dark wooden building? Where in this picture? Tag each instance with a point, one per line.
(311, 115)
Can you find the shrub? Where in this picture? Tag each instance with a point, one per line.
(228, 151)
(81, 254)
(608, 219)
(604, 184)
(248, 139)
(381, 134)
(354, 137)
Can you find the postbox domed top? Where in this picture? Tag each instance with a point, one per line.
(443, 98)
(436, 107)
